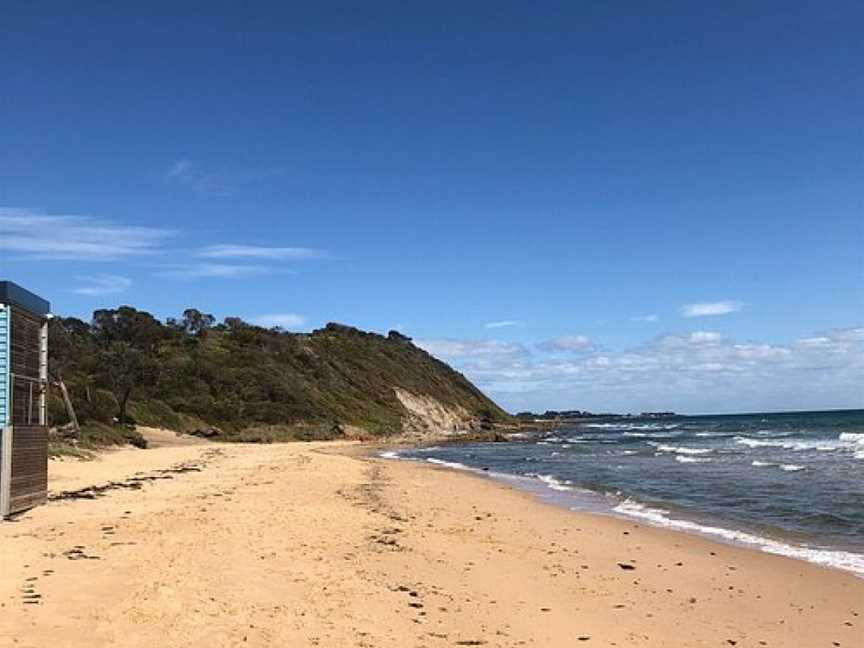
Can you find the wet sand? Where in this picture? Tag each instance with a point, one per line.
(297, 545)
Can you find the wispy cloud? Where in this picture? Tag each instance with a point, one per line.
(35, 235)
(282, 320)
(185, 173)
(103, 284)
(504, 324)
(571, 343)
(645, 318)
(217, 271)
(711, 308)
(180, 169)
(234, 251)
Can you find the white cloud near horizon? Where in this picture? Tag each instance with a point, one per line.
(504, 324)
(701, 371)
(102, 284)
(233, 251)
(567, 343)
(704, 309)
(62, 237)
(645, 318)
(281, 320)
(449, 348)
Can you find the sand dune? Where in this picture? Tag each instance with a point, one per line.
(296, 545)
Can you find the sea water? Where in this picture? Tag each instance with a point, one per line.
(790, 483)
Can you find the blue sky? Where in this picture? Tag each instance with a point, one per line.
(585, 175)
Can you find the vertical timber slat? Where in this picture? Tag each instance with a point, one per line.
(23, 399)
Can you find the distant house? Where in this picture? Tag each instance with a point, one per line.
(23, 399)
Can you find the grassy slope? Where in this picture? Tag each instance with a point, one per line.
(256, 384)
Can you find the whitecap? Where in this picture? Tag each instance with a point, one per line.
(824, 445)
(791, 467)
(632, 426)
(681, 450)
(691, 459)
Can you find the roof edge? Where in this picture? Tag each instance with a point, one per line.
(14, 295)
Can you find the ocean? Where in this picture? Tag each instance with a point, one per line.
(788, 483)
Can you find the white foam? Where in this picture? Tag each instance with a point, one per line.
(837, 559)
(791, 467)
(824, 445)
(691, 459)
(771, 464)
(449, 464)
(553, 482)
(755, 443)
(650, 435)
(681, 450)
(390, 454)
(632, 426)
(858, 437)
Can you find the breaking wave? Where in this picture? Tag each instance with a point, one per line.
(828, 558)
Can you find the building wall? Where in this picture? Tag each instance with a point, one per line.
(25, 343)
(23, 433)
(28, 478)
(5, 432)
(4, 364)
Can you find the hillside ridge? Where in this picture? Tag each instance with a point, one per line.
(238, 381)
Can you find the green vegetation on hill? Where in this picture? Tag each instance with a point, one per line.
(244, 382)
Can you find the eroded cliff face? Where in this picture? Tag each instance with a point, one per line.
(428, 417)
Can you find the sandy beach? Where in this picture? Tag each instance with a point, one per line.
(196, 544)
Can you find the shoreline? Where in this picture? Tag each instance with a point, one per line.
(548, 490)
(313, 544)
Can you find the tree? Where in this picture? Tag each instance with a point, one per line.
(126, 368)
(197, 323)
(126, 324)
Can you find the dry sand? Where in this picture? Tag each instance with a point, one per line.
(295, 545)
